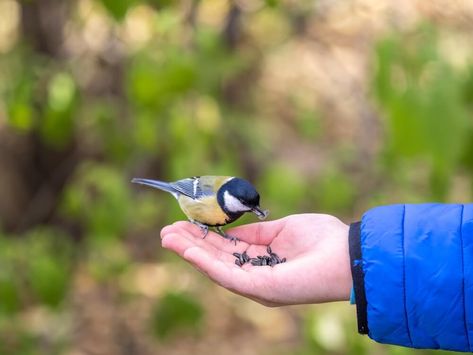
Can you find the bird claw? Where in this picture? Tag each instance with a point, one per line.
(234, 239)
(226, 236)
(230, 238)
(203, 227)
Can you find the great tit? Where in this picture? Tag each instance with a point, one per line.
(212, 201)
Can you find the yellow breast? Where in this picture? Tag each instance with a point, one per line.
(206, 210)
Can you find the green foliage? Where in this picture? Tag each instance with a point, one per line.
(467, 157)
(106, 260)
(176, 312)
(155, 83)
(10, 301)
(57, 124)
(423, 98)
(99, 198)
(335, 192)
(272, 3)
(309, 125)
(49, 266)
(18, 91)
(117, 8)
(282, 201)
(35, 268)
(14, 340)
(160, 4)
(185, 102)
(33, 79)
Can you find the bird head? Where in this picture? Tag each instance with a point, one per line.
(237, 196)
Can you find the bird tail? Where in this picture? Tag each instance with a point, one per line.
(161, 185)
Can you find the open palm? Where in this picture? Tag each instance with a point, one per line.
(315, 246)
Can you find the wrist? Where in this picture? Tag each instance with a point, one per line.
(344, 280)
(335, 264)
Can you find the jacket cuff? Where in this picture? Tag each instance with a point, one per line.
(358, 276)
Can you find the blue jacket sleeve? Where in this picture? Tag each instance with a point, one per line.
(413, 275)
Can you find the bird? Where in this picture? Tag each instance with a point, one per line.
(212, 201)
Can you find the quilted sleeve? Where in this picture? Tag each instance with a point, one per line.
(413, 275)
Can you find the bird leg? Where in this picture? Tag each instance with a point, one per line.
(203, 227)
(226, 236)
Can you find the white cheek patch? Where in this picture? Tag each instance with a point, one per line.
(233, 204)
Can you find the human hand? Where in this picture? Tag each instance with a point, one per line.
(315, 245)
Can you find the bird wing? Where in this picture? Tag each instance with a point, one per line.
(210, 184)
(189, 187)
(199, 186)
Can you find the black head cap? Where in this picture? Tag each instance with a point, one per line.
(242, 190)
(238, 196)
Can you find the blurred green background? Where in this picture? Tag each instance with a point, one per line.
(330, 106)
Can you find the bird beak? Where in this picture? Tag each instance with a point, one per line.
(260, 213)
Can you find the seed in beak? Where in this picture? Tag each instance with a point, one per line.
(262, 214)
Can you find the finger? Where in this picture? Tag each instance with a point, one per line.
(252, 282)
(177, 243)
(227, 275)
(249, 283)
(258, 233)
(191, 230)
(171, 227)
(180, 242)
(181, 226)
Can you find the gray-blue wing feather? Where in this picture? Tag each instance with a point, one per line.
(194, 187)
(189, 187)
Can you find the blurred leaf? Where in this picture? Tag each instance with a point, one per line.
(334, 192)
(282, 201)
(58, 122)
(424, 102)
(61, 91)
(35, 268)
(272, 3)
(309, 125)
(146, 131)
(154, 83)
(468, 89)
(147, 206)
(215, 65)
(20, 101)
(105, 192)
(117, 8)
(109, 128)
(160, 4)
(9, 297)
(207, 115)
(175, 312)
(10, 301)
(107, 259)
(467, 157)
(49, 266)
(14, 340)
(20, 116)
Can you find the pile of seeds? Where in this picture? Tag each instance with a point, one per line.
(261, 260)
